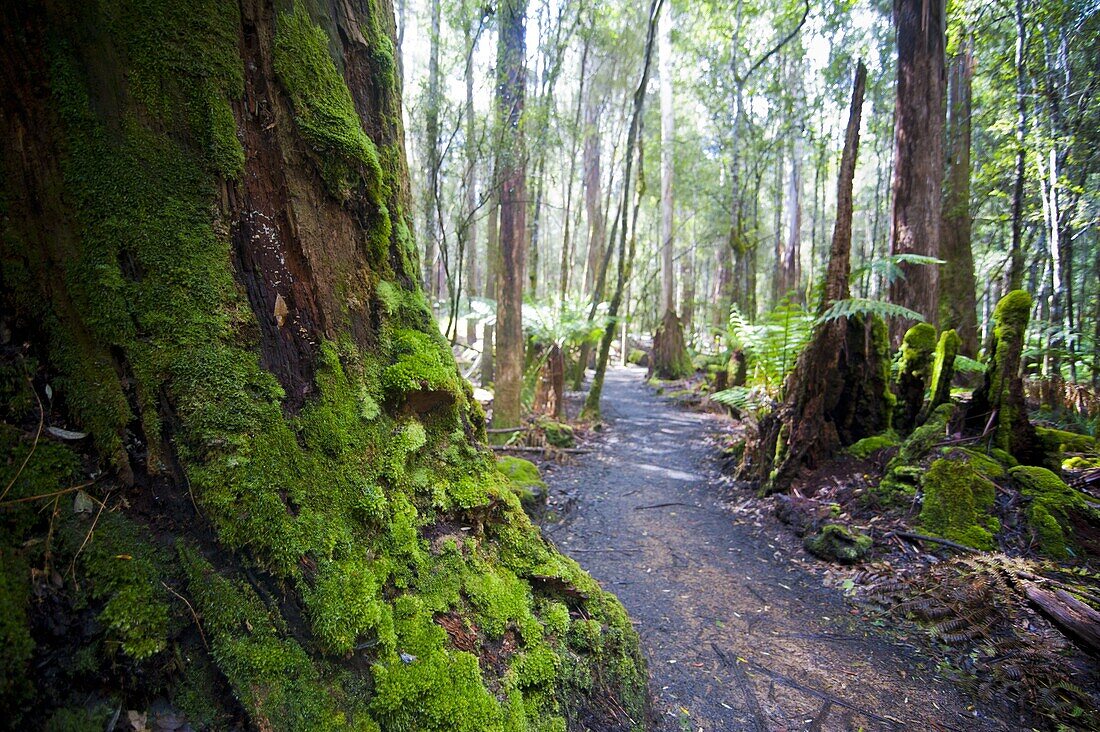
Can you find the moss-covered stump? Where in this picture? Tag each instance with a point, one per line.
(836, 543)
(914, 372)
(1051, 508)
(1000, 399)
(262, 493)
(957, 502)
(943, 371)
(868, 446)
(670, 358)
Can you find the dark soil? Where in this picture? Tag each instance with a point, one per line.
(740, 631)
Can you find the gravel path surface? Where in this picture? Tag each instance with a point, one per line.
(739, 634)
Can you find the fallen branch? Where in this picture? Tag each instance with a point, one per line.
(1074, 618)
(547, 449)
(504, 430)
(759, 718)
(933, 540)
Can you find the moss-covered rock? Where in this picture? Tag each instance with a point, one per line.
(914, 371)
(1055, 441)
(957, 502)
(1051, 504)
(868, 446)
(837, 543)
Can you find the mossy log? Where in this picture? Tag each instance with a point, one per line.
(918, 347)
(267, 500)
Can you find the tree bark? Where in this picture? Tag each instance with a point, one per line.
(668, 136)
(918, 155)
(511, 88)
(1016, 252)
(208, 268)
(473, 285)
(957, 290)
(432, 285)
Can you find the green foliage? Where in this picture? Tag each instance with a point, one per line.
(523, 479)
(890, 270)
(771, 345)
(943, 368)
(956, 503)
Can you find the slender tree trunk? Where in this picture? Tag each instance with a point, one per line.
(668, 136)
(1016, 257)
(591, 409)
(473, 284)
(918, 158)
(567, 235)
(789, 265)
(511, 87)
(492, 266)
(958, 308)
(593, 205)
(431, 185)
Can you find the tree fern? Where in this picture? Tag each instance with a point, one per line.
(890, 269)
(771, 345)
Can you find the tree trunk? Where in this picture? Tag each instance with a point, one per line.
(492, 266)
(473, 284)
(789, 266)
(1016, 261)
(511, 86)
(918, 155)
(591, 410)
(567, 235)
(431, 183)
(837, 391)
(958, 305)
(208, 269)
(597, 228)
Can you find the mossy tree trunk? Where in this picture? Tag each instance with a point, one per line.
(207, 268)
(838, 391)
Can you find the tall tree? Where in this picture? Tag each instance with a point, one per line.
(918, 154)
(432, 222)
(470, 178)
(512, 177)
(670, 358)
(958, 307)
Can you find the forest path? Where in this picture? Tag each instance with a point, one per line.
(739, 634)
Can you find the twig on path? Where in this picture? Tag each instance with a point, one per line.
(934, 540)
(568, 550)
(503, 430)
(664, 505)
(549, 450)
(759, 720)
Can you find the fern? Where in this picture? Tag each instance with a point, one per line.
(889, 267)
(744, 399)
(771, 346)
(863, 306)
(967, 365)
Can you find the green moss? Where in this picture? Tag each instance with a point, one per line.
(1059, 441)
(903, 472)
(323, 108)
(523, 479)
(839, 544)
(943, 367)
(957, 502)
(914, 372)
(1078, 462)
(1051, 503)
(345, 603)
(419, 364)
(16, 644)
(1010, 319)
(866, 447)
(984, 464)
(79, 719)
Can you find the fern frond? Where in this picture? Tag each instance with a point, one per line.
(966, 365)
(889, 267)
(863, 306)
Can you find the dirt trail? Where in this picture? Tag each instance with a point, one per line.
(738, 633)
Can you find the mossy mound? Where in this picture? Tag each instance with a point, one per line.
(956, 503)
(524, 480)
(1056, 442)
(868, 446)
(904, 470)
(1052, 503)
(837, 543)
(914, 372)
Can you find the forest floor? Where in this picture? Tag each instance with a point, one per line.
(738, 627)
